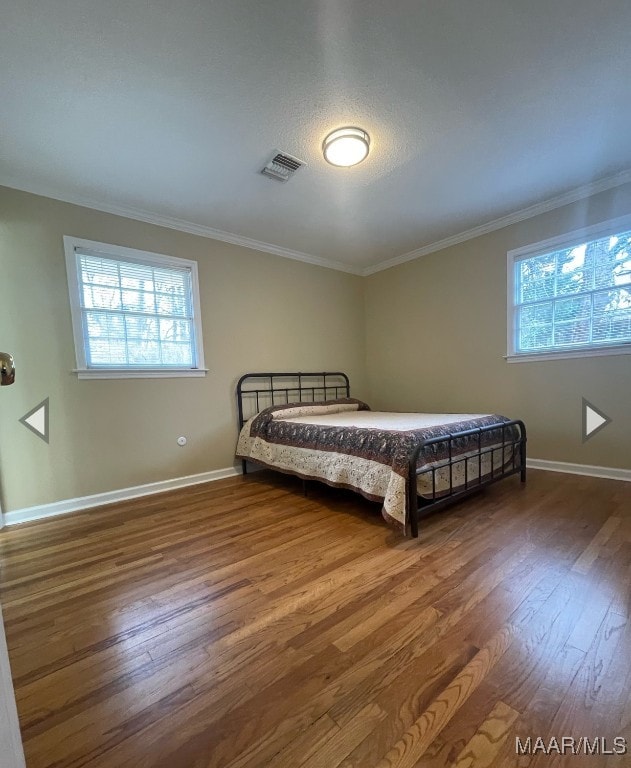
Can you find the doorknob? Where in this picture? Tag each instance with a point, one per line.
(7, 369)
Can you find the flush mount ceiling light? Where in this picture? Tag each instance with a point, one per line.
(346, 146)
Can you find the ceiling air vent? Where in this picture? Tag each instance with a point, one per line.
(282, 167)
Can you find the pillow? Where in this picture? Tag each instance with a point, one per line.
(292, 410)
(340, 405)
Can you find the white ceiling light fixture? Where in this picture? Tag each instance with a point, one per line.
(346, 146)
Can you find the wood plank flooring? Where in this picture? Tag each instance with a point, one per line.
(241, 624)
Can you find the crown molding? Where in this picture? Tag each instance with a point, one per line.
(572, 196)
(182, 225)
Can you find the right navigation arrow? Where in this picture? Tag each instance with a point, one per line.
(593, 420)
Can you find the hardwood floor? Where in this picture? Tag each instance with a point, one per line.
(241, 624)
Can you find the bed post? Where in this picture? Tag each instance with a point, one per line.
(522, 451)
(239, 393)
(412, 498)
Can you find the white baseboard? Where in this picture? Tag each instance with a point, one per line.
(109, 497)
(610, 473)
(65, 506)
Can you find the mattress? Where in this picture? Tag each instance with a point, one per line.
(345, 444)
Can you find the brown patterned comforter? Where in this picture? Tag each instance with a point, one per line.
(372, 461)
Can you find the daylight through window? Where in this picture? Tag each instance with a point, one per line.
(576, 297)
(133, 311)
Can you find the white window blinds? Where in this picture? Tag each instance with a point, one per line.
(134, 313)
(574, 298)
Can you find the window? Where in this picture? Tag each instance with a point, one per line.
(134, 314)
(571, 296)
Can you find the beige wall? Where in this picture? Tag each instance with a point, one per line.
(436, 336)
(426, 335)
(258, 311)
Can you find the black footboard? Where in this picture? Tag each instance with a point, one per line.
(500, 447)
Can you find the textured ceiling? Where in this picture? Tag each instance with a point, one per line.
(476, 108)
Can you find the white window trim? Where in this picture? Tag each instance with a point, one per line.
(577, 237)
(138, 257)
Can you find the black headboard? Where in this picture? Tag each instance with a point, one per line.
(256, 391)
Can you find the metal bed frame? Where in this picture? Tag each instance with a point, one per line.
(256, 391)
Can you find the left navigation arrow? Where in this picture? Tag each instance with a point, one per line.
(37, 420)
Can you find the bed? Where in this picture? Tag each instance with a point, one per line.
(308, 425)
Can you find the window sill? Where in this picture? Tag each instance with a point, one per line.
(536, 357)
(140, 373)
